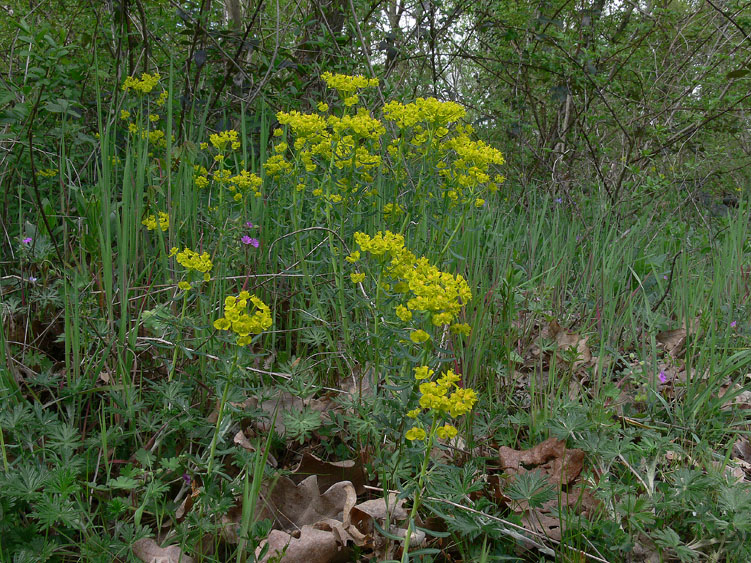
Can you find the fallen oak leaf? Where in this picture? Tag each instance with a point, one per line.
(561, 464)
(329, 472)
(366, 513)
(672, 341)
(292, 505)
(148, 551)
(311, 546)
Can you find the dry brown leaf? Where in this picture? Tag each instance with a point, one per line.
(148, 550)
(293, 506)
(282, 403)
(565, 340)
(742, 449)
(329, 472)
(242, 440)
(364, 514)
(310, 546)
(561, 464)
(741, 398)
(672, 341)
(345, 534)
(543, 523)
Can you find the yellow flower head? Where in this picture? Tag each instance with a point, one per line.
(446, 431)
(191, 260)
(238, 320)
(419, 336)
(423, 372)
(221, 140)
(144, 85)
(152, 221)
(415, 433)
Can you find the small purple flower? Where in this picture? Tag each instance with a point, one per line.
(27, 240)
(559, 200)
(32, 279)
(662, 376)
(665, 277)
(250, 241)
(248, 224)
(733, 324)
(186, 478)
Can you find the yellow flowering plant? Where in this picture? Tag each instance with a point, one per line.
(193, 262)
(237, 319)
(441, 400)
(419, 288)
(160, 221)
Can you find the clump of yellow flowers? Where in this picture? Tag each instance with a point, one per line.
(424, 111)
(347, 86)
(237, 319)
(144, 85)
(428, 133)
(191, 260)
(220, 141)
(444, 398)
(440, 295)
(151, 222)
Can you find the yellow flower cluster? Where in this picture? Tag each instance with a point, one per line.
(221, 140)
(362, 125)
(392, 211)
(200, 176)
(155, 137)
(309, 129)
(152, 221)
(144, 85)
(237, 319)
(428, 111)
(276, 165)
(245, 181)
(444, 397)
(319, 140)
(437, 293)
(470, 169)
(346, 85)
(47, 172)
(191, 260)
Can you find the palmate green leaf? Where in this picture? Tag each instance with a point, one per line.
(63, 480)
(51, 511)
(122, 482)
(532, 487)
(301, 425)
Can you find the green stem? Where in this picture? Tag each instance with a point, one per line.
(451, 238)
(418, 491)
(220, 415)
(174, 351)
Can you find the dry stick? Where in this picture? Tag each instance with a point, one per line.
(670, 281)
